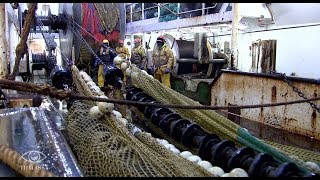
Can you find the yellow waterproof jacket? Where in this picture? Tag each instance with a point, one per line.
(139, 57)
(162, 58)
(123, 52)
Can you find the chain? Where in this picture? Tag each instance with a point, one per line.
(295, 89)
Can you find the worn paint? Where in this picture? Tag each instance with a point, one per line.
(249, 90)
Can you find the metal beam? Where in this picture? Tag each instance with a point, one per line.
(122, 20)
(234, 37)
(13, 18)
(154, 24)
(3, 44)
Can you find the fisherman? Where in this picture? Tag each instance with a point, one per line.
(106, 55)
(162, 58)
(138, 55)
(122, 50)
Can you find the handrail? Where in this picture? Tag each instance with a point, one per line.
(161, 5)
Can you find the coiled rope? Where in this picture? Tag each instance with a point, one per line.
(22, 47)
(20, 165)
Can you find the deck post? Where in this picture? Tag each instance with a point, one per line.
(234, 37)
(3, 44)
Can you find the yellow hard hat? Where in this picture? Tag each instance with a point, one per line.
(105, 41)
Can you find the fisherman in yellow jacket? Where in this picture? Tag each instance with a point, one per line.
(106, 55)
(122, 51)
(138, 55)
(162, 58)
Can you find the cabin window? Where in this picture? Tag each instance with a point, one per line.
(212, 8)
(137, 12)
(168, 11)
(150, 10)
(188, 10)
(128, 13)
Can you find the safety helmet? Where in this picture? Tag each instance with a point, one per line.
(137, 40)
(120, 41)
(160, 38)
(105, 41)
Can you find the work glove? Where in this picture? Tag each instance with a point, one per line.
(96, 61)
(152, 69)
(167, 70)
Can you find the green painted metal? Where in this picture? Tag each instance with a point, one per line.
(202, 95)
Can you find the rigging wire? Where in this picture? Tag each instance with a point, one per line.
(78, 34)
(73, 21)
(41, 25)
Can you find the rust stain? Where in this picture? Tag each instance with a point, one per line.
(314, 120)
(14, 103)
(274, 94)
(238, 91)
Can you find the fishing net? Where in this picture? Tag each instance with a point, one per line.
(216, 123)
(91, 22)
(106, 147)
(109, 14)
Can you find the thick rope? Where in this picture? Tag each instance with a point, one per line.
(22, 47)
(61, 94)
(20, 165)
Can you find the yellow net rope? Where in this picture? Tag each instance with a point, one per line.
(216, 123)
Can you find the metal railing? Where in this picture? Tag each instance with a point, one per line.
(169, 11)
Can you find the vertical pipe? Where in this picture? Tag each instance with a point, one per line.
(159, 10)
(131, 5)
(234, 37)
(178, 11)
(73, 57)
(142, 11)
(203, 9)
(123, 18)
(11, 44)
(3, 45)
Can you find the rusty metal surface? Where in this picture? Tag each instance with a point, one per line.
(33, 133)
(247, 89)
(15, 103)
(268, 133)
(19, 100)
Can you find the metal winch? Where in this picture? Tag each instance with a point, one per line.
(113, 76)
(61, 78)
(54, 22)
